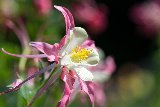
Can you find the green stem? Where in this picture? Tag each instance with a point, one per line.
(23, 61)
(21, 66)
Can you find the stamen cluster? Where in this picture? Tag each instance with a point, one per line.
(79, 54)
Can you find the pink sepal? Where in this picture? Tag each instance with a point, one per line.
(68, 88)
(89, 43)
(88, 88)
(68, 18)
(51, 51)
(110, 65)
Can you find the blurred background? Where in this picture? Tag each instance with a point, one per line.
(126, 30)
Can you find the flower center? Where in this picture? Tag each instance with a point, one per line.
(79, 54)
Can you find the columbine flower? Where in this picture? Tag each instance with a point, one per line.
(95, 17)
(43, 6)
(74, 53)
(102, 72)
(147, 16)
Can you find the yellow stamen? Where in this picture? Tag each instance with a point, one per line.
(79, 54)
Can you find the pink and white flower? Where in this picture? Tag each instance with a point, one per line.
(74, 54)
(93, 15)
(102, 72)
(147, 16)
(43, 6)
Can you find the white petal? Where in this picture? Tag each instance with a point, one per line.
(66, 61)
(100, 76)
(93, 58)
(84, 74)
(77, 36)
